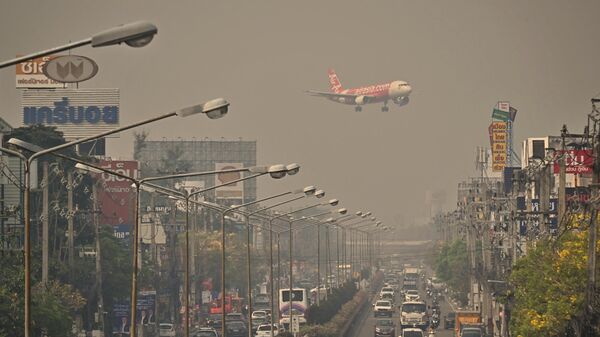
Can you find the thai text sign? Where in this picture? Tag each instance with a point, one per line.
(499, 138)
(30, 74)
(77, 113)
(117, 197)
(576, 161)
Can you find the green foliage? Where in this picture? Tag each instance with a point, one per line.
(549, 284)
(319, 314)
(451, 265)
(334, 327)
(52, 304)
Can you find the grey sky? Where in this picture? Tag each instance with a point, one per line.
(461, 57)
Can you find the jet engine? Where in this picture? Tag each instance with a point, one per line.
(401, 101)
(360, 100)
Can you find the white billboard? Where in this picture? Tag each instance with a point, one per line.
(233, 191)
(78, 113)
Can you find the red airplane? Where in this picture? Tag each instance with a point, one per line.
(396, 91)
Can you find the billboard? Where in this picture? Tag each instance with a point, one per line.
(499, 138)
(233, 191)
(30, 74)
(117, 196)
(77, 113)
(146, 306)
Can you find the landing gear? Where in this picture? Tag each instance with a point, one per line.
(358, 108)
(385, 108)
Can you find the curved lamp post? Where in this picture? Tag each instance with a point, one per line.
(136, 34)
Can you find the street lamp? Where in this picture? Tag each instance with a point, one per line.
(259, 170)
(332, 202)
(136, 34)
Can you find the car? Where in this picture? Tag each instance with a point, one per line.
(383, 308)
(412, 332)
(264, 330)
(387, 297)
(411, 295)
(450, 320)
(235, 316)
(258, 321)
(259, 314)
(206, 332)
(236, 329)
(385, 327)
(166, 330)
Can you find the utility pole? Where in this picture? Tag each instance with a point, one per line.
(98, 257)
(70, 221)
(45, 222)
(562, 176)
(593, 234)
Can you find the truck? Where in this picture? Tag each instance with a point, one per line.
(466, 319)
(413, 314)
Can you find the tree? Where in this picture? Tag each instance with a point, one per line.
(549, 284)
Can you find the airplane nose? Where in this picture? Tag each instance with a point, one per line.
(408, 89)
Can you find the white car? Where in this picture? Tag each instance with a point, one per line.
(264, 330)
(259, 314)
(166, 330)
(383, 308)
(411, 295)
(412, 332)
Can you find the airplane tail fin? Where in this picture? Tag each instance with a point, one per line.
(334, 82)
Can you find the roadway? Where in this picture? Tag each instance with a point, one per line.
(366, 321)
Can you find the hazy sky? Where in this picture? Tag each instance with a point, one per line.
(461, 57)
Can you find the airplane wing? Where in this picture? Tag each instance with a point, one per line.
(334, 95)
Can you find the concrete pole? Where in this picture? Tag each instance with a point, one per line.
(98, 257)
(45, 223)
(71, 237)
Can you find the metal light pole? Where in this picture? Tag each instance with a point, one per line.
(276, 171)
(213, 109)
(136, 34)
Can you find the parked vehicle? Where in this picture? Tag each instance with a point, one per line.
(166, 330)
(383, 308)
(385, 327)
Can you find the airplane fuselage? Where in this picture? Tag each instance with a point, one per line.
(377, 93)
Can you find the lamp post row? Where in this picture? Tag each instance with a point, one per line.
(136, 34)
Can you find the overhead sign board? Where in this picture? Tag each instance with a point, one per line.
(30, 74)
(233, 191)
(70, 69)
(116, 196)
(77, 113)
(499, 138)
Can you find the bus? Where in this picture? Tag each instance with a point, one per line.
(299, 306)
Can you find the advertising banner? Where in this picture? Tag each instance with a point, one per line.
(146, 303)
(499, 145)
(233, 191)
(576, 161)
(30, 74)
(77, 113)
(117, 196)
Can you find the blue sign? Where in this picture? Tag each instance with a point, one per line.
(63, 113)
